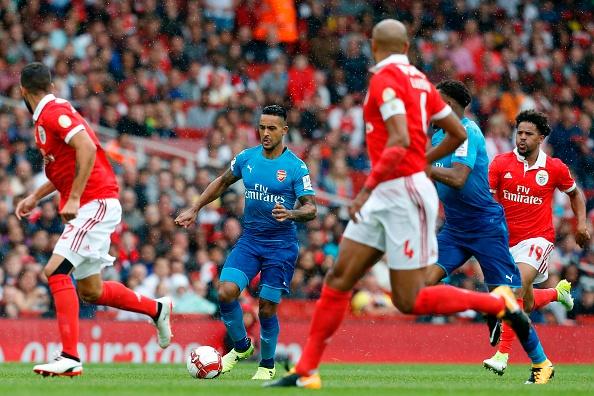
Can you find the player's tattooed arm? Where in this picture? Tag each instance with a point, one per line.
(454, 177)
(212, 192)
(304, 210)
(578, 206)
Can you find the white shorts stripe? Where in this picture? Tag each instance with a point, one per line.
(414, 194)
(86, 240)
(98, 218)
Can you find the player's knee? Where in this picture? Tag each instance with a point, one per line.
(227, 292)
(267, 310)
(404, 306)
(338, 280)
(89, 295)
(64, 268)
(404, 303)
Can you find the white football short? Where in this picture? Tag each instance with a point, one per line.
(86, 239)
(399, 219)
(535, 252)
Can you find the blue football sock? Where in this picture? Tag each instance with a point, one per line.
(269, 329)
(232, 316)
(533, 347)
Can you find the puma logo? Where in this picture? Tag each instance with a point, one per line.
(510, 277)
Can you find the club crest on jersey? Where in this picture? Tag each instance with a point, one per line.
(41, 134)
(388, 94)
(64, 121)
(542, 177)
(281, 175)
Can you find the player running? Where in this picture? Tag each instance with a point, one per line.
(474, 221)
(395, 212)
(524, 181)
(78, 169)
(275, 180)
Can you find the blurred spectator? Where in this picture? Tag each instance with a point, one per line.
(190, 299)
(371, 300)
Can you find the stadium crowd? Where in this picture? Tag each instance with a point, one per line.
(177, 69)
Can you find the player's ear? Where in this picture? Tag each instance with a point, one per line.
(23, 91)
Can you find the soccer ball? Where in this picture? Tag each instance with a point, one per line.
(204, 362)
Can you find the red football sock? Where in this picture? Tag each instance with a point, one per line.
(446, 300)
(507, 334)
(66, 302)
(329, 313)
(543, 297)
(117, 295)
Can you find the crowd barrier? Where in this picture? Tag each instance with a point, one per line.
(35, 340)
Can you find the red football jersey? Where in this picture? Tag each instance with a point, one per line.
(397, 87)
(56, 122)
(526, 193)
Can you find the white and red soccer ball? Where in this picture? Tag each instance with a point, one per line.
(204, 362)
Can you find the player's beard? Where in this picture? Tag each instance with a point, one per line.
(28, 106)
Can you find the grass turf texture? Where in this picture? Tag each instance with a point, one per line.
(338, 379)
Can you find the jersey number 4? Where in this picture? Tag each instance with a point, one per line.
(408, 252)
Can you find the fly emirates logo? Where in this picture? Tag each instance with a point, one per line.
(522, 196)
(260, 193)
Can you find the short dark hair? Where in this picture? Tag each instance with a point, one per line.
(537, 118)
(275, 110)
(455, 90)
(36, 78)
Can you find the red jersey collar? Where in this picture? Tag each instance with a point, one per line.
(392, 59)
(541, 160)
(45, 100)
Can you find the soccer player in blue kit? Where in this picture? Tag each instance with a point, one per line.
(474, 222)
(278, 192)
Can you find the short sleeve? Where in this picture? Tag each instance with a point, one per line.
(564, 180)
(494, 175)
(237, 164)
(384, 94)
(63, 122)
(436, 107)
(302, 182)
(466, 153)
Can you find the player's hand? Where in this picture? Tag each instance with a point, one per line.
(358, 203)
(280, 213)
(70, 209)
(187, 217)
(582, 237)
(25, 206)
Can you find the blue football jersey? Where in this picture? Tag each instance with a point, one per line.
(472, 207)
(268, 181)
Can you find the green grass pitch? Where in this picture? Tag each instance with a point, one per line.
(338, 379)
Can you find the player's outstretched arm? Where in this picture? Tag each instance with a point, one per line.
(454, 177)
(86, 151)
(455, 136)
(26, 205)
(578, 206)
(214, 190)
(305, 210)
